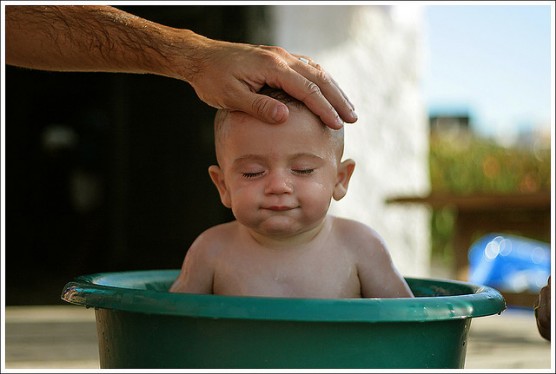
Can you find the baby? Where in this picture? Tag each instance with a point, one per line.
(279, 180)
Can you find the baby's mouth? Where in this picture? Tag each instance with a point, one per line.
(279, 208)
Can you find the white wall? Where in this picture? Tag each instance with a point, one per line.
(374, 53)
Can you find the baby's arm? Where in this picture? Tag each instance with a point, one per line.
(377, 273)
(197, 271)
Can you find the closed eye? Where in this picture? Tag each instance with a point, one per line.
(253, 175)
(303, 171)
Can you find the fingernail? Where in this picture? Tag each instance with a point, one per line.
(280, 113)
(339, 121)
(354, 115)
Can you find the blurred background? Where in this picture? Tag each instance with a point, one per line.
(108, 172)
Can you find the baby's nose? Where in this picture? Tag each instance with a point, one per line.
(279, 182)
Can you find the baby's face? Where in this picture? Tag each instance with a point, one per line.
(279, 179)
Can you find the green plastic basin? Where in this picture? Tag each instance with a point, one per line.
(141, 325)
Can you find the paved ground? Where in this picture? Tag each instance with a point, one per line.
(64, 337)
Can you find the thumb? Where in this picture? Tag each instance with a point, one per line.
(266, 108)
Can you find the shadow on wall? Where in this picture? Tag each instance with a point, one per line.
(108, 172)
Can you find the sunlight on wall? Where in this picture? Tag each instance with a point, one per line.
(374, 53)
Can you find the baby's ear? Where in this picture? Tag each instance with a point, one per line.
(345, 170)
(217, 176)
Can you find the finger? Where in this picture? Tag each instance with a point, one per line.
(321, 92)
(345, 97)
(332, 92)
(303, 89)
(306, 81)
(299, 87)
(262, 107)
(305, 60)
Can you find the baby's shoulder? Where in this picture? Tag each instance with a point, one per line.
(215, 238)
(351, 228)
(221, 231)
(357, 235)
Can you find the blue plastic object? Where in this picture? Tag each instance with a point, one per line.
(509, 263)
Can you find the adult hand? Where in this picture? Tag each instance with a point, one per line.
(230, 75)
(543, 311)
(223, 74)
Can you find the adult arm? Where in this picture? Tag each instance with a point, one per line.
(223, 74)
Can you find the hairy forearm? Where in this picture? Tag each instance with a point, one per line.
(98, 38)
(223, 74)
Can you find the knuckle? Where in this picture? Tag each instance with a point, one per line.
(274, 52)
(260, 105)
(323, 77)
(276, 49)
(275, 60)
(313, 88)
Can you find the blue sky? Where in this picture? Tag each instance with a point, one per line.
(493, 61)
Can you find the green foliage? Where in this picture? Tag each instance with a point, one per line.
(467, 164)
(475, 164)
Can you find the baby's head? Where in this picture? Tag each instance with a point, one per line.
(279, 178)
(226, 121)
(223, 123)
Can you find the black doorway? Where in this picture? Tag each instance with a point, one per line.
(108, 172)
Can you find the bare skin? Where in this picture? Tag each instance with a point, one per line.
(224, 75)
(279, 182)
(344, 260)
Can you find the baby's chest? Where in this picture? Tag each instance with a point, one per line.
(326, 279)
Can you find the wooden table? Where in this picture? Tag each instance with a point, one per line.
(526, 214)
